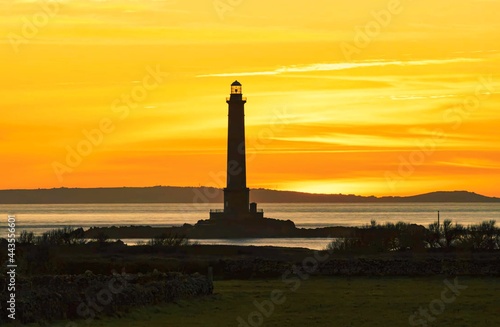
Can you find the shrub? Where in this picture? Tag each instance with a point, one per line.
(62, 236)
(26, 237)
(170, 240)
(484, 236)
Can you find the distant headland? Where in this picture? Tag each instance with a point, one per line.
(172, 194)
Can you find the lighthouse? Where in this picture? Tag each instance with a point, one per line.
(236, 194)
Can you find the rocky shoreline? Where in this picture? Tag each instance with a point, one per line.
(206, 229)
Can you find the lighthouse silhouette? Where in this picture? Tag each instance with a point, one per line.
(236, 194)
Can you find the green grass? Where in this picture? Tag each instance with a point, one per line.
(325, 301)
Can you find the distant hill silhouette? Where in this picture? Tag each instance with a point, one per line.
(456, 196)
(171, 194)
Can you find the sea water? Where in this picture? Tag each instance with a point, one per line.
(39, 218)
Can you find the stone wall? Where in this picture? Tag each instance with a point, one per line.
(47, 298)
(261, 268)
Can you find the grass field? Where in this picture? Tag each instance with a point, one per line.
(332, 301)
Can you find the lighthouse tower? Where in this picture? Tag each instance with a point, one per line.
(236, 193)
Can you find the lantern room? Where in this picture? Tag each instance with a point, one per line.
(236, 88)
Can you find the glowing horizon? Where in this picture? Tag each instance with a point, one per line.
(370, 98)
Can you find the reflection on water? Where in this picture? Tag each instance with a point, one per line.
(39, 218)
(310, 243)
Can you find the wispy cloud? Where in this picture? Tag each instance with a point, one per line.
(322, 67)
(475, 165)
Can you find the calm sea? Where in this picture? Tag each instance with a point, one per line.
(40, 218)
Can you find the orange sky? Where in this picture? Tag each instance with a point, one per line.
(367, 96)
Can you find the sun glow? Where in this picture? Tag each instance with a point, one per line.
(414, 108)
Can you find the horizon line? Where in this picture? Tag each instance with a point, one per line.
(260, 188)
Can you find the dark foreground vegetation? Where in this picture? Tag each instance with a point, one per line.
(64, 270)
(445, 236)
(67, 251)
